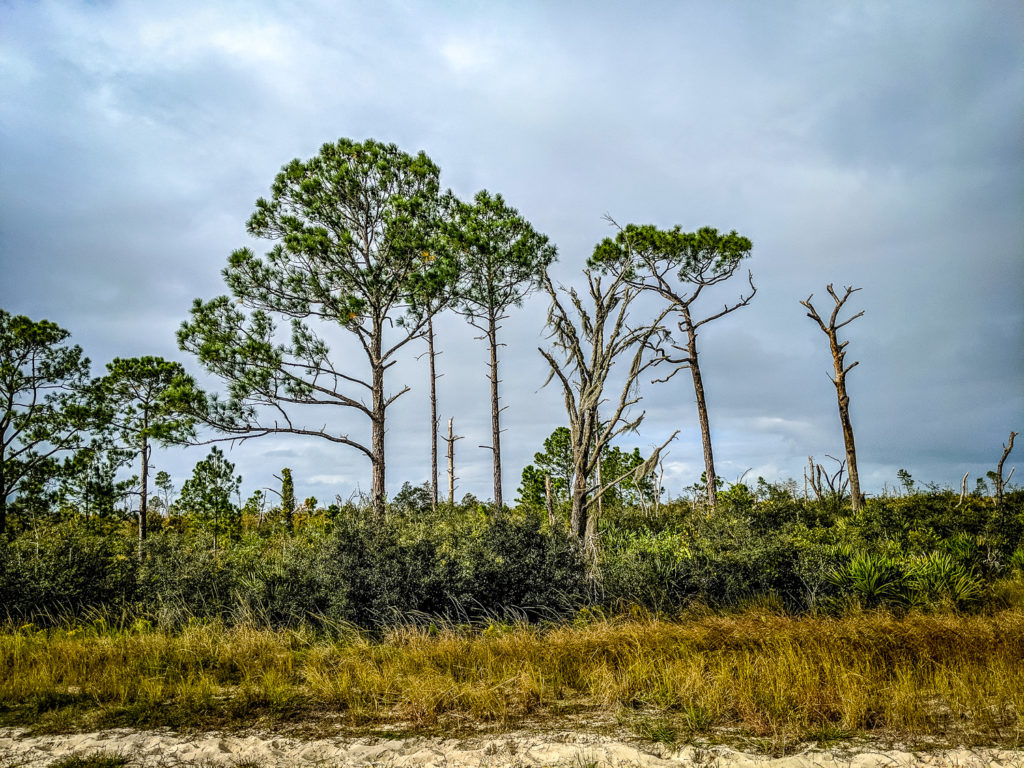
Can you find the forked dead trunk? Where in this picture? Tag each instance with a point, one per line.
(838, 350)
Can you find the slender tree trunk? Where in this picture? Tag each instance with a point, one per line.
(549, 503)
(452, 437)
(377, 491)
(288, 498)
(1000, 483)
(492, 338)
(143, 493)
(702, 411)
(851, 448)
(433, 414)
(3, 499)
(838, 359)
(451, 463)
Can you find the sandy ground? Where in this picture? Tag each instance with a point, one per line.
(519, 748)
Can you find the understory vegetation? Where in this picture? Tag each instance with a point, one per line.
(771, 618)
(469, 563)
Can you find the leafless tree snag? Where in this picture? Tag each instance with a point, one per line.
(838, 349)
(963, 489)
(434, 421)
(451, 460)
(587, 339)
(1000, 483)
(820, 479)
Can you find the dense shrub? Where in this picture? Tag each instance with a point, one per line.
(67, 568)
(458, 564)
(466, 563)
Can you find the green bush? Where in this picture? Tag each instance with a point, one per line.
(67, 569)
(457, 563)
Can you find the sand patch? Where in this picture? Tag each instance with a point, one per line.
(517, 749)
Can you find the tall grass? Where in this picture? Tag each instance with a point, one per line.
(754, 674)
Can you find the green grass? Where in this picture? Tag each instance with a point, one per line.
(757, 675)
(95, 760)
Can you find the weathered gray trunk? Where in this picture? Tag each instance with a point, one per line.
(492, 338)
(578, 521)
(838, 350)
(451, 462)
(851, 448)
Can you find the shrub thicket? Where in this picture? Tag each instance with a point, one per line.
(467, 563)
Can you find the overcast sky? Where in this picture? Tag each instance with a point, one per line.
(871, 144)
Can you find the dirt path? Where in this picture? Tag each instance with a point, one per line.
(517, 748)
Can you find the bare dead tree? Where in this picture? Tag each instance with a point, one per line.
(963, 489)
(838, 349)
(587, 340)
(452, 437)
(680, 266)
(998, 477)
(821, 481)
(432, 354)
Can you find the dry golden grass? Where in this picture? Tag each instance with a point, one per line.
(763, 676)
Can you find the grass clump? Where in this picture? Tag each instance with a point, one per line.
(766, 676)
(94, 760)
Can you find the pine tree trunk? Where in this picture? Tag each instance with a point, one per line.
(378, 488)
(144, 493)
(492, 337)
(702, 412)
(433, 414)
(3, 500)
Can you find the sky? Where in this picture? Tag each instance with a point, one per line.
(872, 144)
